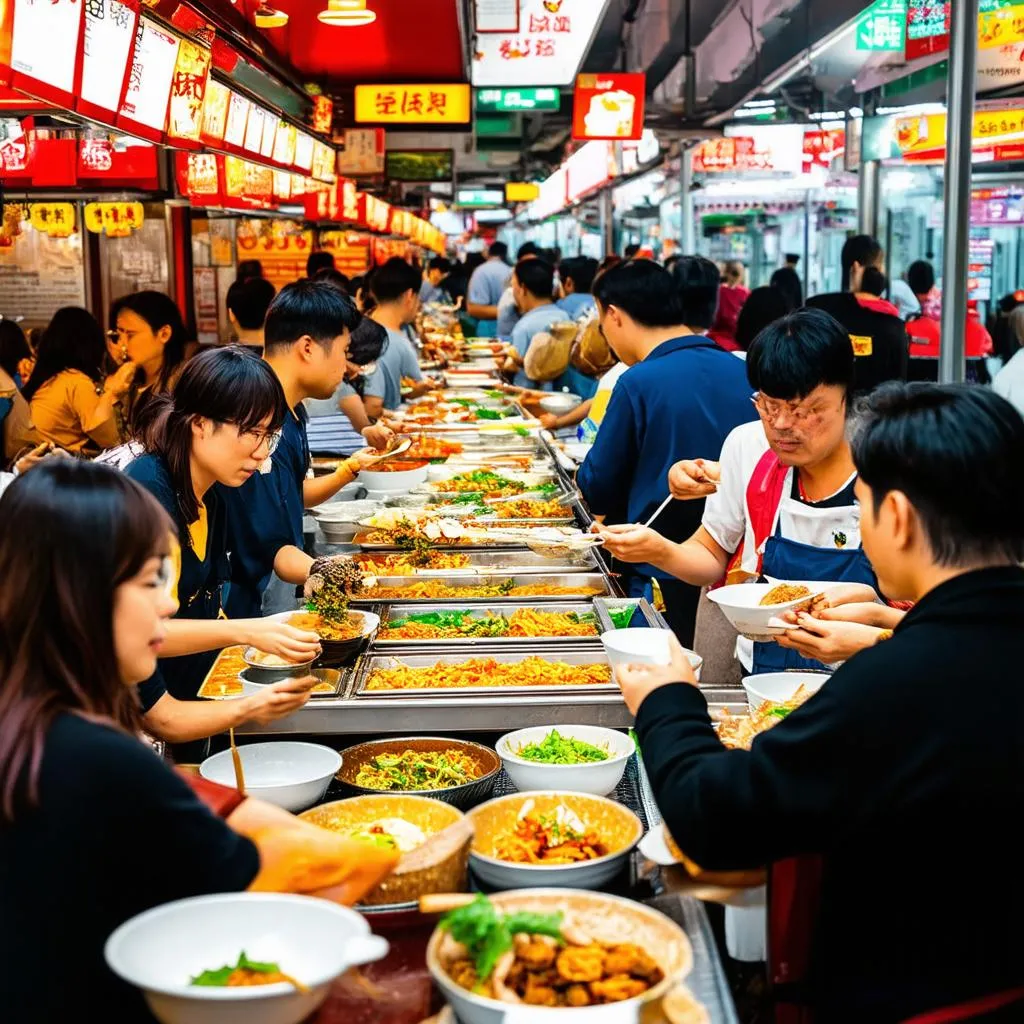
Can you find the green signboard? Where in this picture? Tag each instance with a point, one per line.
(511, 100)
(881, 26)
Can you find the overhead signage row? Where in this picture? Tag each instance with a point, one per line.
(927, 25)
(997, 135)
(413, 104)
(514, 100)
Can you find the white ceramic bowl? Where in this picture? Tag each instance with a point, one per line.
(291, 775)
(339, 520)
(400, 481)
(560, 403)
(741, 605)
(598, 778)
(314, 940)
(590, 874)
(643, 646)
(778, 687)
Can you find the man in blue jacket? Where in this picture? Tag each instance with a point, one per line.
(682, 394)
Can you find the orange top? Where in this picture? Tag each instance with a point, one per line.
(65, 410)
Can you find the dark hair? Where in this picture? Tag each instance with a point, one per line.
(803, 350)
(439, 263)
(669, 262)
(70, 534)
(499, 249)
(642, 289)
(13, 346)
(316, 309)
(369, 342)
(249, 298)
(317, 261)
(862, 249)
(537, 276)
(611, 260)
(249, 269)
(335, 277)
(581, 270)
(224, 385)
(921, 277)
(393, 279)
(793, 258)
(527, 249)
(786, 281)
(472, 261)
(158, 310)
(916, 438)
(631, 250)
(697, 281)
(73, 340)
(874, 282)
(763, 307)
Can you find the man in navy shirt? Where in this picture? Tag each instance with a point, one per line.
(682, 393)
(306, 339)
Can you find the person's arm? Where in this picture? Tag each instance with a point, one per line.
(606, 476)
(353, 408)
(96, 412)
(182, 721)
(568, 419)
(292, 564)
(319, 489)
(699, 561)
(191, 636)
(477, 295)
(480, 312)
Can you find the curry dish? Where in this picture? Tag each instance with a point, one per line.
(435, 589)
(487, 672)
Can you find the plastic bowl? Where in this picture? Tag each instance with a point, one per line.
(314, 940)
(401, 480)
(291, 775)
(741, 605)
(618, 826)
(261, 673)
(643, 646)
(778, 687)
(597, 778)
(560, 403)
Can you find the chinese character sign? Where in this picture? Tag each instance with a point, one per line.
(880, 27)
(413, 104)
(115, 220)
(323, 115)
(54, 219)
(188, 91)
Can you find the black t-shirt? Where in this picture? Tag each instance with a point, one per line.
(115, 832)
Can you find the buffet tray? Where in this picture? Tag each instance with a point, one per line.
(647, 613)
(573, 579)
(360, 541)
(432, 654)
(515, 563)
(400, 611)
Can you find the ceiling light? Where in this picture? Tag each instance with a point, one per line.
(346, 13)
(268, 17)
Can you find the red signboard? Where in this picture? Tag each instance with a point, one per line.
(117, 162)
(6, 33)
(45, 48)
(823, 147)
(609, 107)
(927, 30)
(323, 115)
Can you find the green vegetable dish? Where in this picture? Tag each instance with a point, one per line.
(244, 973)
(414, 770)
(558, 749)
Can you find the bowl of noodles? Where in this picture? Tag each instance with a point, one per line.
(458, 772)
(756, 610)
(782, 687)
(405, 822)
(573, 840)
(341, 641)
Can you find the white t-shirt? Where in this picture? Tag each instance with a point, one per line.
(725, 512)
(1009, 382)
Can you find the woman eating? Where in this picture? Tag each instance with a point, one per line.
(215, 429)
(71, 403)
(94, 827)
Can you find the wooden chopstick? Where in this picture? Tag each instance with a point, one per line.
(236, 760)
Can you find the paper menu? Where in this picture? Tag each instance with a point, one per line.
(149, 83)
(110, 28)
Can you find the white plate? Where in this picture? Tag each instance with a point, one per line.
(740, 604)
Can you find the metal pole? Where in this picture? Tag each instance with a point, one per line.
(607, 226)
(957, 180)
(867, 198)
(807, 244)
(687, 240)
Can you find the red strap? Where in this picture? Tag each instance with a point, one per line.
(222, 800)
(764, 494)
(969, 1010)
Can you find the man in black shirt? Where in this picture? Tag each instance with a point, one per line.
(878, 335)
(901, 775)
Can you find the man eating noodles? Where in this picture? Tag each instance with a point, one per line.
(898, 773)
(785, 506)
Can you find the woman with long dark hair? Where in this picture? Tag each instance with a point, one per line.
(16, 357)
(72, 404)
(94, 827)
(217, 427)
(16, 361)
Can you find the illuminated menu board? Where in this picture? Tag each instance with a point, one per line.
(304, 151)
(149, 82)
(44, 48)
(238, 116)
(284, 148)
(269, 135)
(188, 90)
(256, 129)
(110, 28)
(215, 111)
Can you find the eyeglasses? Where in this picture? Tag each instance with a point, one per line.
(271, 438)
(770, 411)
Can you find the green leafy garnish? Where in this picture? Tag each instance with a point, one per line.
(219, 977)
(521, 431)
(558, 749)
(495, 394)
(780, 711)
(487, 935)
(622, 617)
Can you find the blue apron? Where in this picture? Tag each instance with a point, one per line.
(786, 559)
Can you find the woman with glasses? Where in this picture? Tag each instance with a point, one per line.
(781, 501)
(214, 431)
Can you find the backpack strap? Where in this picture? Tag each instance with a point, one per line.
(764, 495)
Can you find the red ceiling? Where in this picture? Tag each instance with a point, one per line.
(411, 41)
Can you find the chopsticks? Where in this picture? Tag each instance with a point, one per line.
(442, 902)
(236, 760)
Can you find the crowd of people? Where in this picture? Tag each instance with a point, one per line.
(157, 492)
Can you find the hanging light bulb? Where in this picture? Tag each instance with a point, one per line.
(267, 17)
(346, 13)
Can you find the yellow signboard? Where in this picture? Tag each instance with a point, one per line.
(116, 220)
(413, 104)
(521, 192)
(56, 219)
(1001, 27)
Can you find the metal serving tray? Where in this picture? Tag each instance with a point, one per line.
(578, 655)
(515, 563)
(576, 580)
(504, 545)
(482, 610)
(648, 615)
